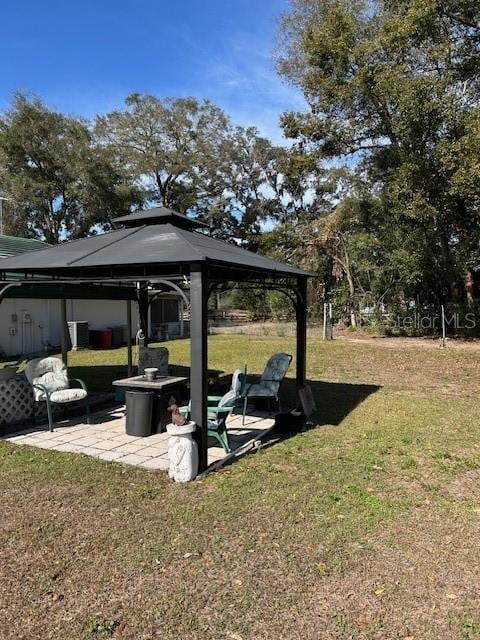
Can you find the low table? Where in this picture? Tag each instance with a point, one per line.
(141, 382)
(163, 387)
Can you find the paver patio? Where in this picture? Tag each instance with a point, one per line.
(105, 438)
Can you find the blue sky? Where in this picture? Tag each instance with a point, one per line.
(84, 57)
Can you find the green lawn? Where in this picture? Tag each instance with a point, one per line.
(364, 527)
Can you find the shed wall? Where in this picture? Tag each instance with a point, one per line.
(37, 322)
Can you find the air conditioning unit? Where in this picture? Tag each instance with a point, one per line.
(78, 330)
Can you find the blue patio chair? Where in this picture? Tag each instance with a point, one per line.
(270, 381)
(49, 380)
(220, 407)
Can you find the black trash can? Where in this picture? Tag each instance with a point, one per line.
(139, 413)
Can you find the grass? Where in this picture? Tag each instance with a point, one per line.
(365, 527)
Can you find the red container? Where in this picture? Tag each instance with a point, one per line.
(105, 341)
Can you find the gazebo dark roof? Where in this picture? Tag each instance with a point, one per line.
(158, 215)
(162, 242)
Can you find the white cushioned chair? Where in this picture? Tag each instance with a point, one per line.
(50, 383)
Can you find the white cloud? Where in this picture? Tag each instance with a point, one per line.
(236, 71)
(244, 81)
(239, 75)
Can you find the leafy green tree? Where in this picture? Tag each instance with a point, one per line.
(251, 188)
(165, 144)
(59, 183)
(186, 155)
(393, 89)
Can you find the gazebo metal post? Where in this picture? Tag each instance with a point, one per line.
(301, 313)
(143, 311)
(63, 332)
(129, 338)
(199, 358)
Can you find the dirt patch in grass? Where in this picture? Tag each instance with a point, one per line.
(419, 579)
(408, 343)
(466, 486)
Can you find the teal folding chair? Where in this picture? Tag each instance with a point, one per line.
(220, 407)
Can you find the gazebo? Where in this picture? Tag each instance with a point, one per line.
(157, 248)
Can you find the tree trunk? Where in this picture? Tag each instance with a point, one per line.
(351, 290)
(469, 285)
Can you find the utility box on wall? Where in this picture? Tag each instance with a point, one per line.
(78, 330)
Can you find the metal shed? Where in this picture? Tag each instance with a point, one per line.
(160, 247)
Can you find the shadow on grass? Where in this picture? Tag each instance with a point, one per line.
(334, 400)
(99, 378)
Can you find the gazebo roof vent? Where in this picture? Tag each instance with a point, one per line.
(158, 215)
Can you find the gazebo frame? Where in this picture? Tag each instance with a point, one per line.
(44, 275)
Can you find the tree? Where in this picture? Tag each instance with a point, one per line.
(393, 89)
(364, 262)
(186, 155)
(164, 144)
(248, 188)
(59, 183)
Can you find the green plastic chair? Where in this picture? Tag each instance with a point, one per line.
(220, 407)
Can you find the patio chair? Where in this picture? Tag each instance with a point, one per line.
(220, 407)
(153, 357)
(270, 381)
(49, 380)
